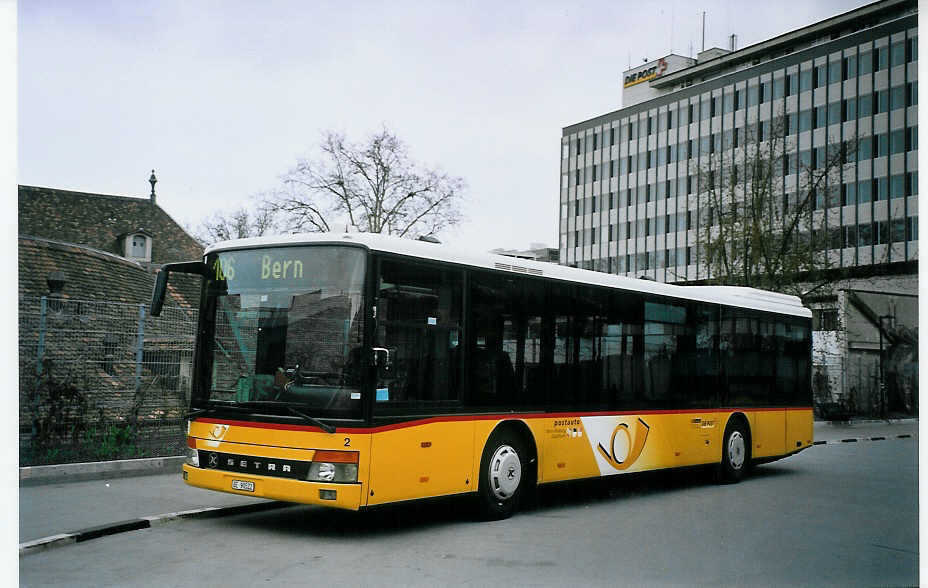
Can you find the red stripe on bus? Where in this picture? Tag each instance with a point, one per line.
(486, 417)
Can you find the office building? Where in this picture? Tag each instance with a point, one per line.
(633, 182)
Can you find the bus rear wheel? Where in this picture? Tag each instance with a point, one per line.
(736, 451)
(502, 475)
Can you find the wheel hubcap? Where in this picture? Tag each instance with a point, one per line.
(736, 450)
(505, 472)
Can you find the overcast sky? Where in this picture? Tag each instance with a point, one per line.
(220, 98)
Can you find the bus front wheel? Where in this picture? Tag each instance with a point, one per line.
(736, 451)
(502, 475)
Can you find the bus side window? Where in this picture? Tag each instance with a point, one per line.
(495, 339)
(746, 358)
(419, 322)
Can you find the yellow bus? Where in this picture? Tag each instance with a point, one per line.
(354, 370)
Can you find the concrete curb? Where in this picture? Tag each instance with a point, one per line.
(867, 422)
(97, 470)
(858, 439)
(141, 523)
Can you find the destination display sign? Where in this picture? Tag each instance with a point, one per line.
(285, 269)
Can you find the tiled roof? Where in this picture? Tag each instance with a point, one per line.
(90, 274)
(98, 220)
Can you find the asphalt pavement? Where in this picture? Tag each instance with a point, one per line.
(62, 511)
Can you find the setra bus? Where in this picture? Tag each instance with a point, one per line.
(353, 370)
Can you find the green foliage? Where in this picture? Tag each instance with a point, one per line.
(58, 411)
(66, 430)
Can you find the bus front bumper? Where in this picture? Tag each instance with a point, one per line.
(346, 496)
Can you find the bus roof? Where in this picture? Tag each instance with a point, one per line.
(728, 295)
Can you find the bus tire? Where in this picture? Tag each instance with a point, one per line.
(503, 472)
(736, 451)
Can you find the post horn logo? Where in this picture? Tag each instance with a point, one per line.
(219, 431)
(622, 458)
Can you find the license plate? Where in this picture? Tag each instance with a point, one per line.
(243, 485)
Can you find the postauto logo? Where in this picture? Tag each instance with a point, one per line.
(646, 74)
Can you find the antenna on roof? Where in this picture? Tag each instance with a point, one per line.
(703, 30)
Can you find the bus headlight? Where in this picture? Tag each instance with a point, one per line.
(193, 459)
(334, 466)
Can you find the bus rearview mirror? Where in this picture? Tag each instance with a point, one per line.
(161, 281)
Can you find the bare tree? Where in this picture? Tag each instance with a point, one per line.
(371, 187)
(764, 220)
(246, 221)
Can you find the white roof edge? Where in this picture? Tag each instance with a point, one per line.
(730, 295)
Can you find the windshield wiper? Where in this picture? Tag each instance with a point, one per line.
(312, 420)
(213, 408)
(324, 426)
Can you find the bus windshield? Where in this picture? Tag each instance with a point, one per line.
(284, 331)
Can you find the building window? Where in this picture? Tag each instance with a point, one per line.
(882, 188)
(818, 76)
(880, 145)
(865, 64)
(881, 101)
(819, 118)
(897, 97)
(848, 194)
(864, 191)
(849, 110)
(911, 138)
(834, 113)
(897, 185)
(834, 71)
(778, 88)
(805, 120)
(138, 249)
(824, 319)
(805, 80)
(897, 230)
(880, 58)
(897, 54)
(849, 67)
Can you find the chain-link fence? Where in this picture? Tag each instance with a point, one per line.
(102, 380)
